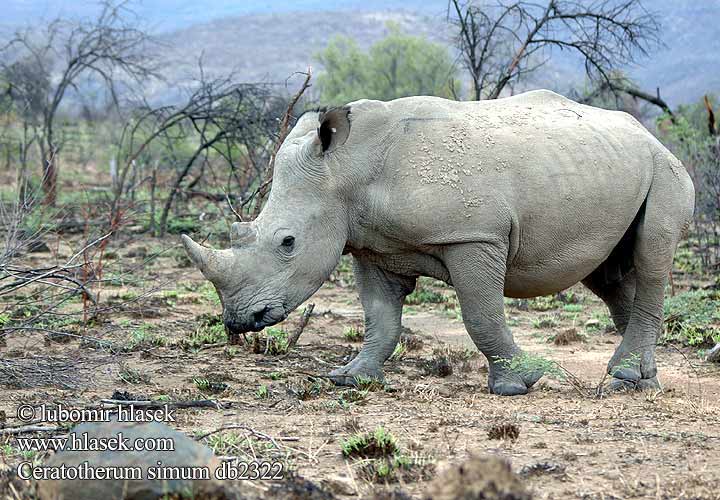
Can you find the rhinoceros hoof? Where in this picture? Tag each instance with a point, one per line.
(644, 384)
(505, 382)
(356, 369)
(632, 364)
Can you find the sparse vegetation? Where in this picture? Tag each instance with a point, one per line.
(544, 303)
(377, 444)
(353, 334)
(145, 336)
(210, 331)
(424, 294)
(308, 388)
(693, 318)
(271, 341)
(544, 322)
(209, 385)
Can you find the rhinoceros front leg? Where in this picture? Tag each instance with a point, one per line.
(382, 294)
(478, 275)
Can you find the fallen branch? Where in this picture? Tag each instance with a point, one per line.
(29, 428)
(252, 431)
(198, 403)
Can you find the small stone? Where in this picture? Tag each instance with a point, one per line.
(592, 323)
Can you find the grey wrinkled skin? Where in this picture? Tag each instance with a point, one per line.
(518, 197)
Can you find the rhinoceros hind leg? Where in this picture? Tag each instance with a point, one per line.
(382, 294)
(659, 229)
(478, 275)
(618, 296)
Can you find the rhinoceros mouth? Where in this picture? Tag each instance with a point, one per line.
(263, 317)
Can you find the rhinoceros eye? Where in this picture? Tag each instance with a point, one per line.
(288, 241)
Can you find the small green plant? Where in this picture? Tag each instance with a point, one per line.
(544, 322)
(145, 337)
(230, 352)
(544, 303)
(423, 294)
(398, 353)
(353, 334)
(210, 331)
(305, 389)
(209, 386)
(262, 392)
(208, 293)
(369, 384)
(352, 396)
(277, 375)
(599, 322)
(529, 364)
(272, 341)
(632, 360)
(379, 443)
(241, 445)
(130, 375)
(573, 308)
(379, 456)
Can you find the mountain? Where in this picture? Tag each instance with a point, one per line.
(269, 40)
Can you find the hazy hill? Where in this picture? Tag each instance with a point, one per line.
(267, 41)
(272, 46)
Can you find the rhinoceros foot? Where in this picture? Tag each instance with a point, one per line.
(633, 366)
(644, 384)
(506, 381)
(358, 368)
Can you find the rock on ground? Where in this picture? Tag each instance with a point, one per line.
(479, 478)
(187, 453)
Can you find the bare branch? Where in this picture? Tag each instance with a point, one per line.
(501, 42)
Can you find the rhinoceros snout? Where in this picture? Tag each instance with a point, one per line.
(257, 318)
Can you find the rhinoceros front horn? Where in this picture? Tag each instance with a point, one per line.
(197, 253)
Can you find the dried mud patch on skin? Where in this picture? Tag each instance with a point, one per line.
(488, 478)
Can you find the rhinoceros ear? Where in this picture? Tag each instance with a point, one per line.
(334, 128)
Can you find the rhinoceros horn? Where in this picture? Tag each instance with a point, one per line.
(212, 263)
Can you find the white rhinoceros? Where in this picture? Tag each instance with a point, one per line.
(522, 196)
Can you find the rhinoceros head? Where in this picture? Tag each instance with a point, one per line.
(280, 259)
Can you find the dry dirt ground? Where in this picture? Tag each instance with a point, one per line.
(570, 444)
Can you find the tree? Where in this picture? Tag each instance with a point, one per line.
(399, 65)
(694, 136)
(501, 42)
(221, 120)
(109, 48)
